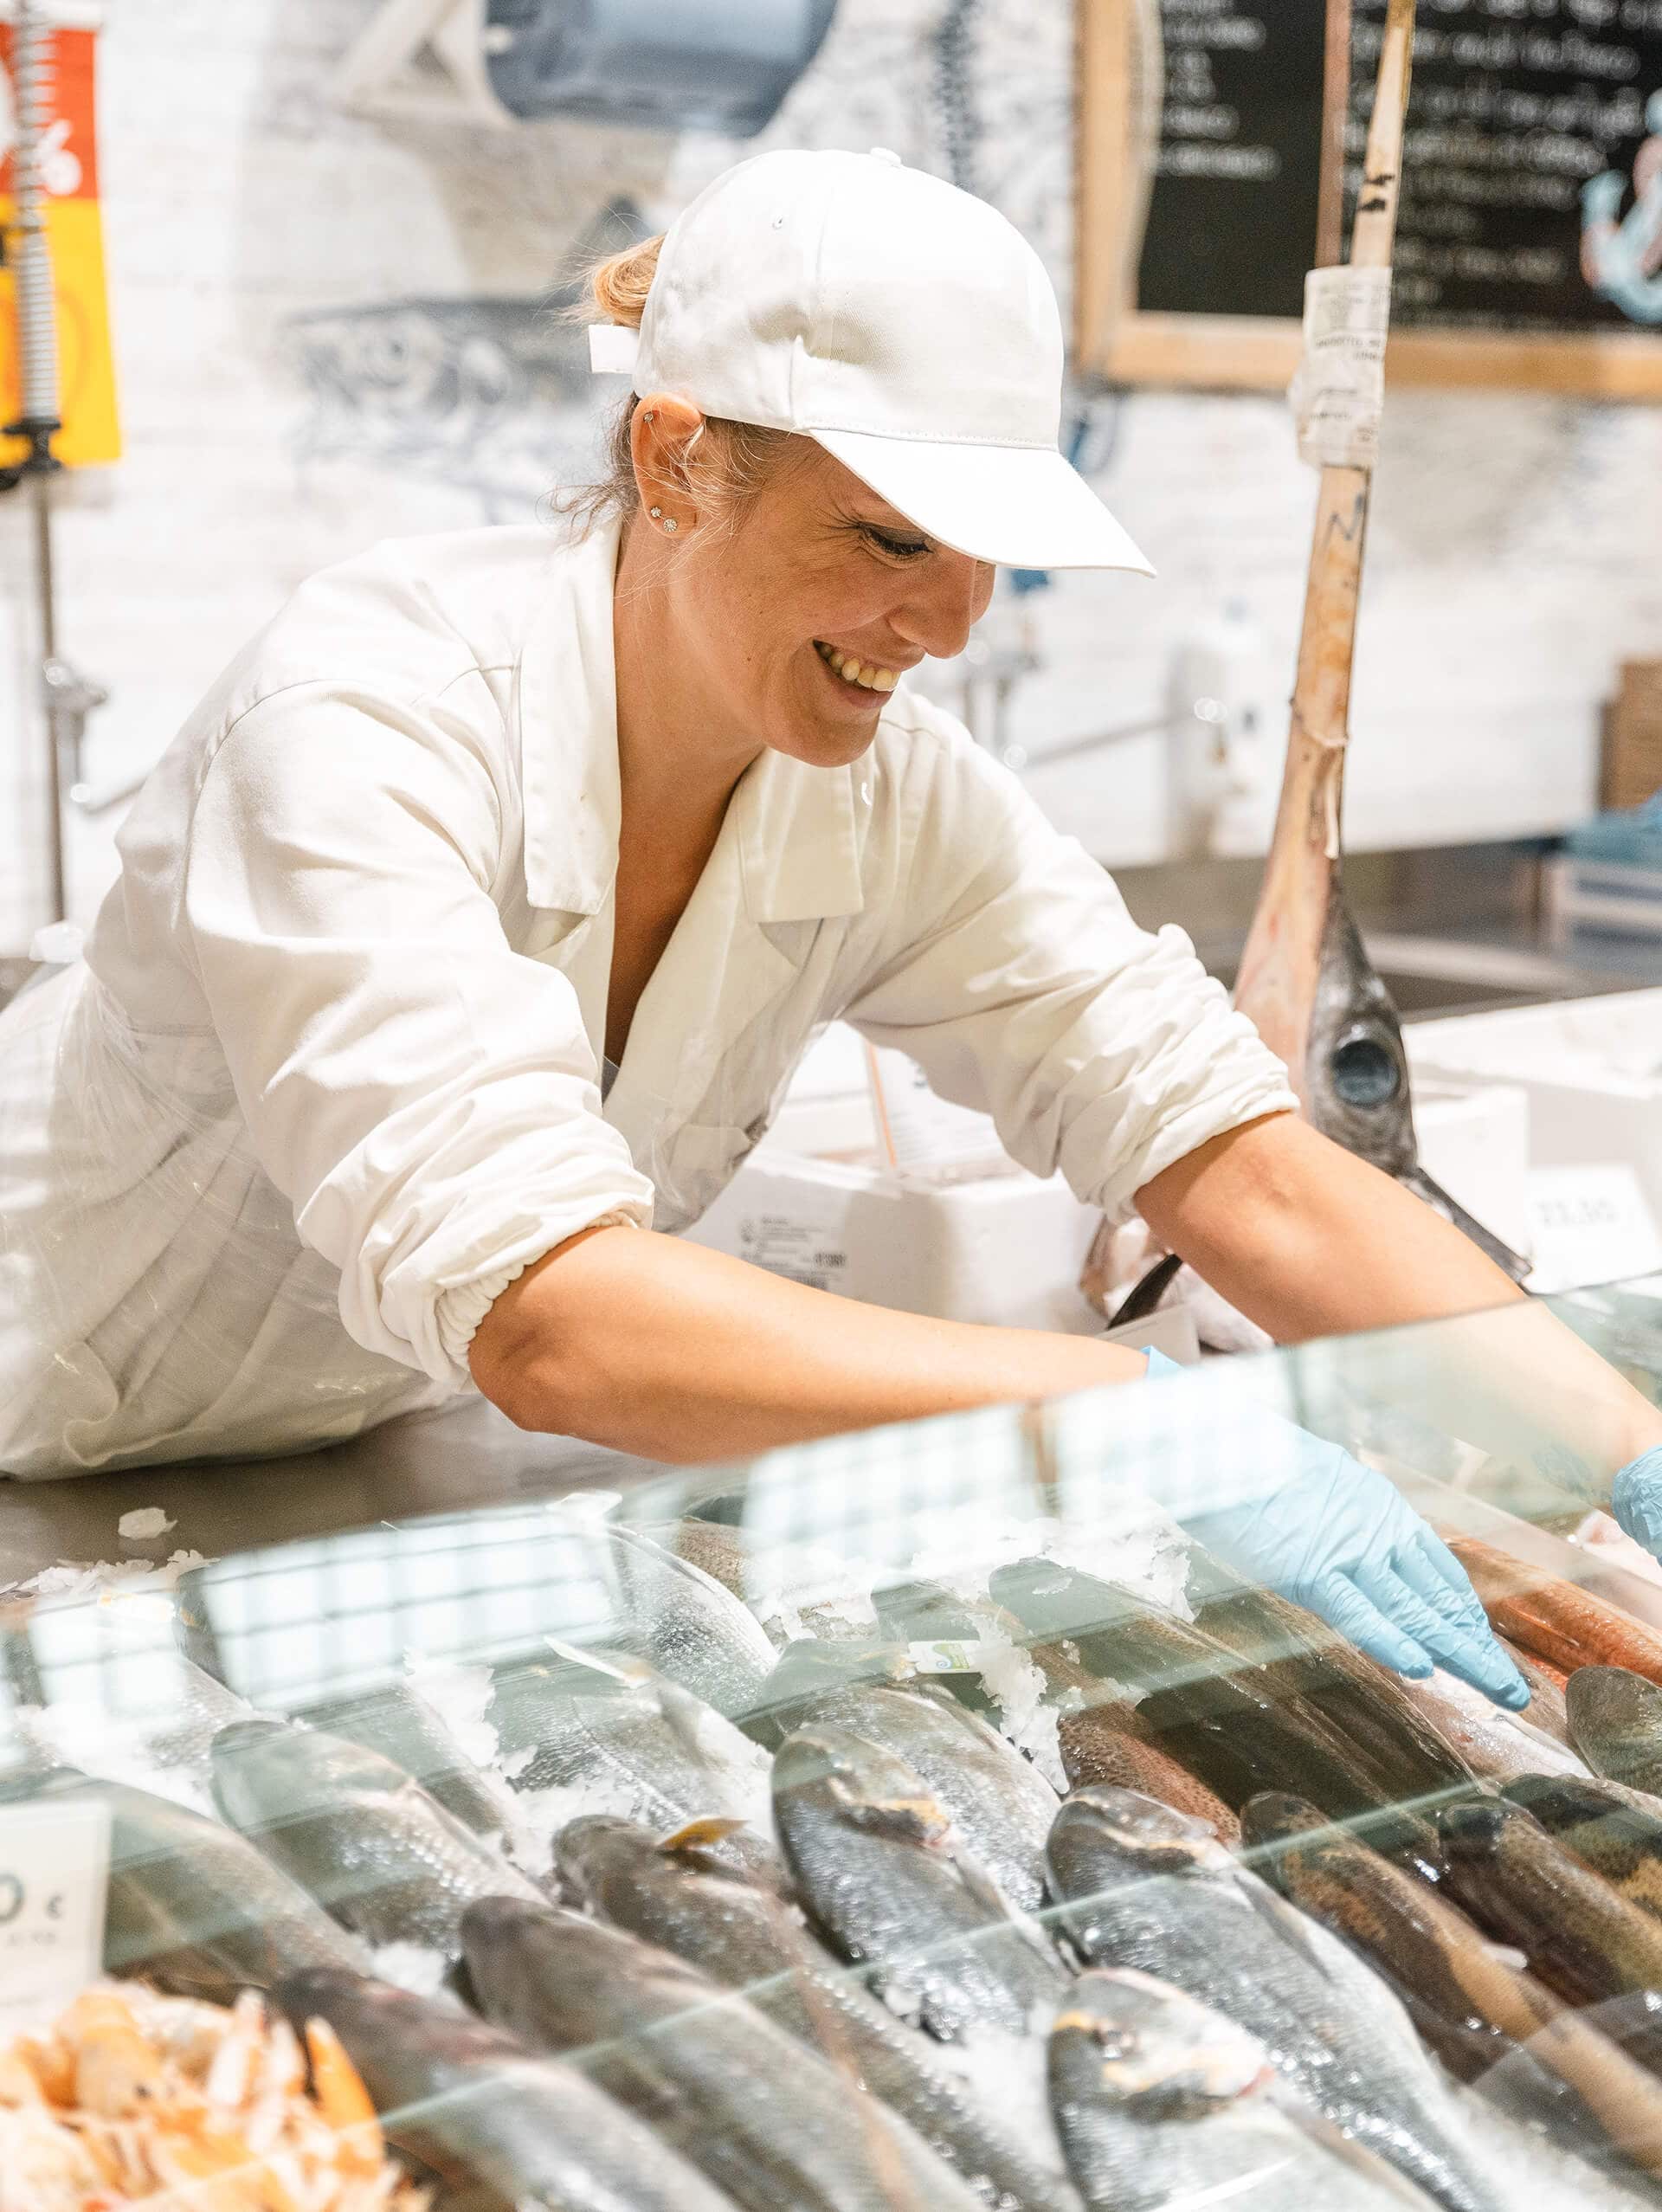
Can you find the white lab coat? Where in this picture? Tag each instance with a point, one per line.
(327, 1080)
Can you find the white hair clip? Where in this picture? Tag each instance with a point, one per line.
(612, 349)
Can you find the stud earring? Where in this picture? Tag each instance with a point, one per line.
(669, 522)
(656, 512)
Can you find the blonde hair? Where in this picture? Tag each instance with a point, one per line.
(735, 459)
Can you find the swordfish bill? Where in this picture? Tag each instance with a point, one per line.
(1305, 979)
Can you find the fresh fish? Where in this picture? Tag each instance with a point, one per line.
(1556, 1620)
(192, 1906)
(1615, 1723)
(1222, 1717)
(1579, 1936)
(1495, 1745)
(1410, 1754)
(1106, 1743)
(745, 1938)
(998, 1801)
(878, 1870)
(505, 2128)
(370, 1844)
(600, 1733)
(1164, 2105)
(681, 1620)
(1604, 1831)
(777, 2128)
(1477, 2011)
(1141, 1885)
(398, 1721)
(807, 1671)
(754, 1574)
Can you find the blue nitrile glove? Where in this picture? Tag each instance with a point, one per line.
(1636, 1500)
(1316, 1525)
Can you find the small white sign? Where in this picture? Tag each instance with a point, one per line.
(1590, 1224)
(54, 1871)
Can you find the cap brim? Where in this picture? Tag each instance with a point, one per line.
(1022, 507)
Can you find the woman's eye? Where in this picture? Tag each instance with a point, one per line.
(905, 549)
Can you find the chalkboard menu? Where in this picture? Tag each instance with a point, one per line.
(1530, 242)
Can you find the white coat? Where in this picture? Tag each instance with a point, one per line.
(326, 1081)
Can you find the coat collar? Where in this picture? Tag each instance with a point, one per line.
(797, 828)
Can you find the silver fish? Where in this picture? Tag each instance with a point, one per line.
(736, 1931)
(776, 2127)
(376, 1851)
(1146, 1888)
(600, 1733)
(193, 1906)
(508, 2130)
(999, 1803)
(1163, 2104)
(1495, 1745)
(881, 1871)
(398, 1721)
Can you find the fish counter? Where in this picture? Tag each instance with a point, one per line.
(916, 1820)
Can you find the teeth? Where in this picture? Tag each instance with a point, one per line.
(854, 671)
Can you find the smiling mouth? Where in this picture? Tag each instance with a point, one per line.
(854, 670)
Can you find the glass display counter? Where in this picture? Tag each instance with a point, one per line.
(915, 1819)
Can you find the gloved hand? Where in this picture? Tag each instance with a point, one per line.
(1321, 1529)
(1636, 1501)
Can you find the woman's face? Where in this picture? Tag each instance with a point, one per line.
(795, 624)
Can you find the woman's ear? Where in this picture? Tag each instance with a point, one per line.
(662, 434)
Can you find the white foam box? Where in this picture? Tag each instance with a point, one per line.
(1591, 1069)
(1474, 1139)
(1004, 1248)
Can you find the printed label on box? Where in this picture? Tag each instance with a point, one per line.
(55, 1870)
(805, 1247)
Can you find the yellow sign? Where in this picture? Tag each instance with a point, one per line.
(91, 430)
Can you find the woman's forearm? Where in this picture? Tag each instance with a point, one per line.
(664, 1349)
(1308, 1241)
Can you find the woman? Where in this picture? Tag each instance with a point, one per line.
(478, 918)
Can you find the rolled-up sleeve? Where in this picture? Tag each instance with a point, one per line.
(422, 1094)
(1024, 989)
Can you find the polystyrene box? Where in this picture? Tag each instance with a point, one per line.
(1005, 1248)
(1474, 1139)
(1591, 1069)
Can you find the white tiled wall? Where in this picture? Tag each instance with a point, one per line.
(1515, 554)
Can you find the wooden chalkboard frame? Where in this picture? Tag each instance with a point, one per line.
(1114, 338)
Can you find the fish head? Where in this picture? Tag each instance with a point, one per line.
(1611, 1705)
(1137, 1832)
(597, 1845)
(266, 1772)
(1355, 1073)
(1476, 1830)
(864, 1785)
(1276, 1817)
(1562, 1800)
(1155, 2051)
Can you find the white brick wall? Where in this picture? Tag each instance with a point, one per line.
(1515, 550)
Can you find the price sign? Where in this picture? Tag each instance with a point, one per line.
(1589, 1225)
(54, 1865)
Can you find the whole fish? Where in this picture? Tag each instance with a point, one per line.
(777, 2128)
(1477, 2011)
(1524, 1889)
(880, 1872)
(745, 1938)
(506, 2130)
(999, 1803)
(1556, 1620)
(1141, 1885)
(1107, 1742)
(1222, 1716)
(602, 1733)
(681, 1620)
(1615, 1723)
(192, 1906)
(1164, 2104)
(398, 1721)
(376, 1851)
(754, 1576)
(1605, 1831)
(1495, 1745)
(1406, 1749)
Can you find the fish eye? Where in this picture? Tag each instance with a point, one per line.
(1364, 1073)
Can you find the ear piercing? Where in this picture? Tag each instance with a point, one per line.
(656, 512)
(668, 521)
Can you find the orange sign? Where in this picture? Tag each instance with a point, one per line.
(75, 232)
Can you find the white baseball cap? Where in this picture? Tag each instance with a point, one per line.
(905, 326)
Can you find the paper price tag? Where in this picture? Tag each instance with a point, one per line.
(1339, 395)
(1589, 1225)
(54, 1871)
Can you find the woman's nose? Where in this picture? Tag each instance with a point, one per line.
(942, 607)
